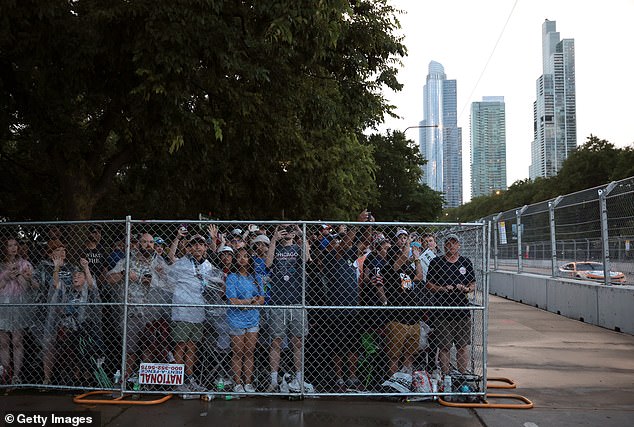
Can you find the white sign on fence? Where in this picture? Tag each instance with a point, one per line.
(161, 373)
(502, 232)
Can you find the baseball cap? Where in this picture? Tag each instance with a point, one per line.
(400, 232)
(237, 232)
(95, 227)
(225, 249)
(261, 238)
(159, 241)
(377, 239)
(196, 238)
(452, 236)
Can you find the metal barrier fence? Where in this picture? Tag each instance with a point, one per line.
(227, 309)
(594, 225)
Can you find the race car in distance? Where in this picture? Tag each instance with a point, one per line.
(590, 270)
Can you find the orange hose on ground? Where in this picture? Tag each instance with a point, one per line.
(117, 400)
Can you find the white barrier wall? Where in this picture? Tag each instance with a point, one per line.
(607, 306)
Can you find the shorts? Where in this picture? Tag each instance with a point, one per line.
(287, 322)
(401, 339)
(186, 331)
(236, 332)
(452, 330)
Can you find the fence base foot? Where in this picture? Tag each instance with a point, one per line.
(486, 404)
(509, 383)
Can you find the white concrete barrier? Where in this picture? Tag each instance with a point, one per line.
(610, 307)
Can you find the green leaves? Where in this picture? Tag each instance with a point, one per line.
(170, 108)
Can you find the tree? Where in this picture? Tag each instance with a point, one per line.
(591, 165)
(177, 107)
(594, 164)
(401, 195)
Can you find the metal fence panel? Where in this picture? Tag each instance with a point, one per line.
(580, 234)
(338, 308)
(620, 210)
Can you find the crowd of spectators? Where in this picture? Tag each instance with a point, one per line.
(265, 309)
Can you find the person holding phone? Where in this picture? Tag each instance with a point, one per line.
(402, 327)
(146, 271)
(16, 281)
(285, 260)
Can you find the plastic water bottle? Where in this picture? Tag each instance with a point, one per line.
(117, 376)
(447, 387)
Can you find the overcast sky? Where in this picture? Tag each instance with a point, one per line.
(462, 34)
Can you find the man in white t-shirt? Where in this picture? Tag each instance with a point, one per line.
(191, 276)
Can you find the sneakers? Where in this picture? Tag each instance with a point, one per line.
(296, 387)
(273, 388)
(248, 388)
(238, 389)
(340, 386)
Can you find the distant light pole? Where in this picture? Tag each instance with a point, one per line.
(420, 126)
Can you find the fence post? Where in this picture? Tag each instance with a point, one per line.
(518, 214)
(126, 284)
(496, 236)
(605, 245)
(553, 241)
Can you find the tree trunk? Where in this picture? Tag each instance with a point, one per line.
(79, 197)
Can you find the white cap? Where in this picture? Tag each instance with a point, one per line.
(225, 249)
(400, 232)
(261, 238)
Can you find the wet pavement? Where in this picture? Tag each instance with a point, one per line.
(574, 373)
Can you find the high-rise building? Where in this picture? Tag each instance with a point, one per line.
(554, 111)
(440, 138)
(488, 146)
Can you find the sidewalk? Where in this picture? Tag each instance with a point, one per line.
(574, 373)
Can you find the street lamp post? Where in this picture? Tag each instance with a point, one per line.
(420, 126)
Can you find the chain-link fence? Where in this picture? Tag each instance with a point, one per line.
(585, 235)
(229, 309)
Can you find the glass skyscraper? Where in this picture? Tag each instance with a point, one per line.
(488, 146)
(441, 146)
(554, 111)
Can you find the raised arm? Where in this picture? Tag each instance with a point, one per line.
(86, 266)
(270, 255)
(180, 234)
